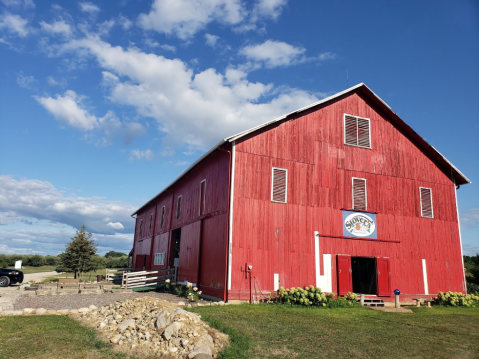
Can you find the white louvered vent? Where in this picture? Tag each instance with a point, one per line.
(178, 208)
(162, 217)
(426, 202)
(359, 194)
(279, 183)
(357, 131)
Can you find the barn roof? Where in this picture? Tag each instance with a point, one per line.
(442, 162)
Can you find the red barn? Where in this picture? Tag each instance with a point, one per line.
(341, 194)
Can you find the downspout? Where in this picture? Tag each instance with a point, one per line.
(225, 285)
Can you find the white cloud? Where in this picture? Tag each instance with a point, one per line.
(105, 27)
(192, 109)
(31, 198)
(116, 226)
(274, 53)
(326, 56)
(211, 40)
(183, 18)
(124, 22)
(267, 9)
(168, 47)
(133, 130)
(14, 23)
(470, 219)
(26, 4)
(54, 82)
(27, 82)
(138, 155)
(70, 110)
(89, 7)
(59, 27)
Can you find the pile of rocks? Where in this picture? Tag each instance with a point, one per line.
(155, 327)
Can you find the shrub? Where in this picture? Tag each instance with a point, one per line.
(188, 291)
(472, 288)
(457, 299)
(311, 296)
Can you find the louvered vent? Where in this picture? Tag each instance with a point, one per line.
(162, 217)
(426, 202)
(356, 131)
(151, 220)
(359, 194)
(279, 185)
(178, 208)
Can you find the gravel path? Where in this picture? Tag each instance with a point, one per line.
(76, 301)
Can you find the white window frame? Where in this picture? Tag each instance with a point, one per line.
(420, 202)
(178, 207)
(159, 259)
(365, 193)
(286, 185)
(202, 199)
(162, 223)
(344, 130)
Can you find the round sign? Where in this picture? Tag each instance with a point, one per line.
(359, 224)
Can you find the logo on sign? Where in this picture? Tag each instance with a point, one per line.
(359, 224)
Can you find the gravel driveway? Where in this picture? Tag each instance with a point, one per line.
(76, 301)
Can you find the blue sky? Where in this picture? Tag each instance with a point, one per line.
(104, 103)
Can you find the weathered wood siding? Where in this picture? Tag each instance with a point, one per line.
(215, 169)
(279, 238)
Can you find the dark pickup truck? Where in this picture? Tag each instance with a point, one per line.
(10, 276)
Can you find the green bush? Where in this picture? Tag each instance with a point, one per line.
(456, 299)
(311, 296)
(35, 260)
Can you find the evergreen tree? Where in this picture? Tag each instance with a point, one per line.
(80, 254)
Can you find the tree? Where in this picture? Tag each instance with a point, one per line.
(79, 256)
(113, 254)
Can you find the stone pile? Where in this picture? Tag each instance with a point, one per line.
(155, 327)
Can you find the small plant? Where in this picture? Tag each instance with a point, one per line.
(188, 291)
(456, 299)
(311, 296)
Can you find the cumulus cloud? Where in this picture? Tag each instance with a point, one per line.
(26, 4)
(138, 155)
(27, 82)
(69, 110)
(192, 109)
(183, 18)
(59, 27)
(274, 53)
(125, 22)
(267, 9)
(89, 7)
(52, 242)
(32, 198)
(470, 218)
(14, 24)
(211, 40)
(116, 226)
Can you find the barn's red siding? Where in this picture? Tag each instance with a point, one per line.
(206, 231)
(279, 238)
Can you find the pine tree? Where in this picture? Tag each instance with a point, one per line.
(79, 255)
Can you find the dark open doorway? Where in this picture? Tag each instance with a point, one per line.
(175, 241)
(364, 275)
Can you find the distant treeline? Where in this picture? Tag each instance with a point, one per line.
(111, 259)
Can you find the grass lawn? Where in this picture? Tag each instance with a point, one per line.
(50, 337)
(267, 331)
(30, 270)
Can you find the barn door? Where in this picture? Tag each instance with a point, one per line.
(189, 253)
(344, 275)
(384, 275)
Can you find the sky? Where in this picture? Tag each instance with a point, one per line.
(104, 103)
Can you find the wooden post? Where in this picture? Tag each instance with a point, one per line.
(362, 299)
(396, 303)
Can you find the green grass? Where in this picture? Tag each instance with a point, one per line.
(30, 270)
(50, 337)
(267, 331)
